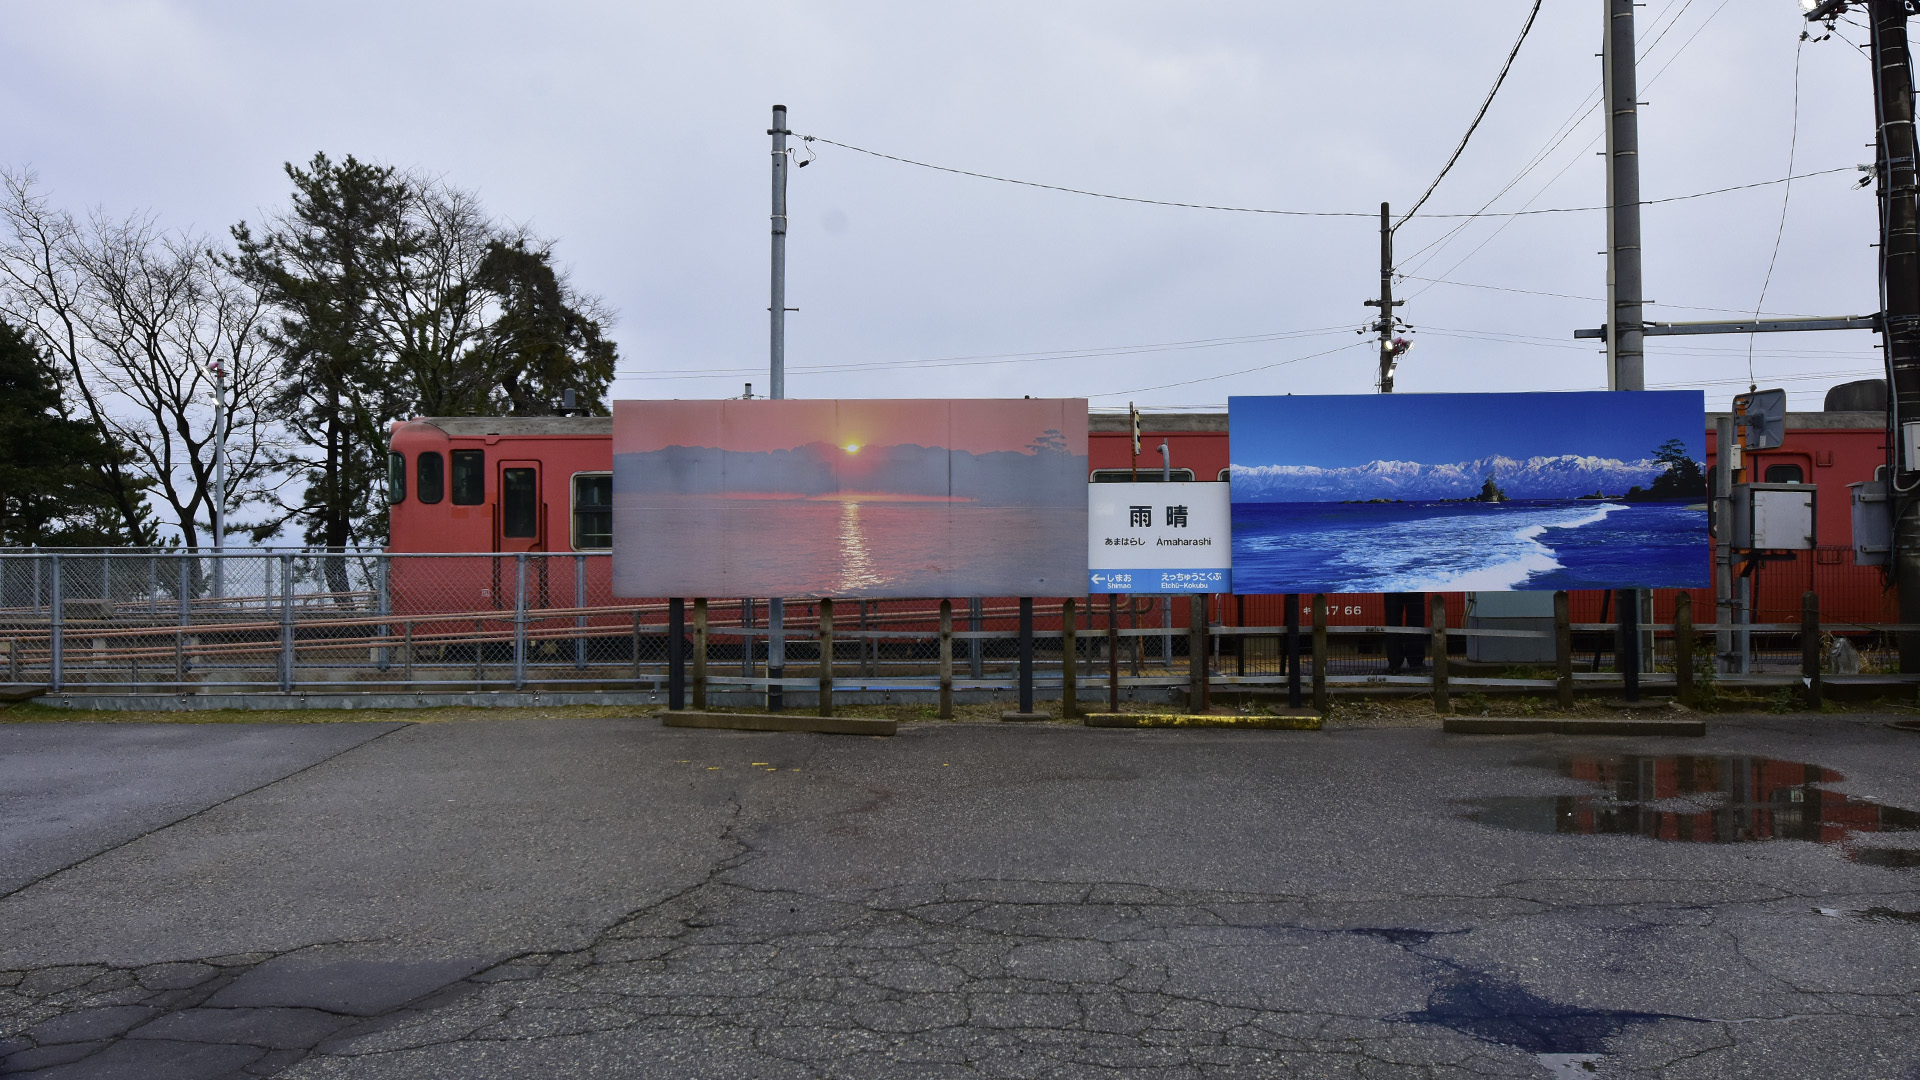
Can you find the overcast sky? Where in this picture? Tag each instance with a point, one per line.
(634, 134)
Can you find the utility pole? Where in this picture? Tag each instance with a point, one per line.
(1386, 303)
(1626, 352)
(1900, 296)
(1626, 357)
(777, 363)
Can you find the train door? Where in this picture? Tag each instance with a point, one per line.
(519, 518)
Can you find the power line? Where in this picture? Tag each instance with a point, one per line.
(1583, 112)
(1479, 116)
(1593, 299)
(988, 359)
(1293, 213)
(1231, 374)
(1786, 197)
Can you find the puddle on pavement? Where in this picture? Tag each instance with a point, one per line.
(1708, 800)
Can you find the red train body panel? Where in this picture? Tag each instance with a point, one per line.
(543, 485)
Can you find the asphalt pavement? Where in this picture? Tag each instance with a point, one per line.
(612, 898)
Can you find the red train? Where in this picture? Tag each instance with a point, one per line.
(545, 484)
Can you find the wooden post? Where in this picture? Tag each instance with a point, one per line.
(826, 656)
(700, 653)
(1683, 648)
(1320, 701)
(1438, 621)
(1810, 647)
(1563, 648)
(1069, 663)
(1113, 652)
(946, 659)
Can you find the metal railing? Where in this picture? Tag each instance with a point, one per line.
(173, 621)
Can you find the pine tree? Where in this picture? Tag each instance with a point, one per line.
(50, 465)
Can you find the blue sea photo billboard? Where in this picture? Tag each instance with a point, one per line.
(1453, 492)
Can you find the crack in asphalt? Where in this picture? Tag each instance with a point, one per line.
(988, 977)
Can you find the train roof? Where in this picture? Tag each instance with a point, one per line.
(1100, 422)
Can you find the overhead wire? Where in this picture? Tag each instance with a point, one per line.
(1786, 199)
(1231, 374)
(1643, 55)
(1485, 104)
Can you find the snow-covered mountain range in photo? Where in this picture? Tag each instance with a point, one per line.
(1563, 476)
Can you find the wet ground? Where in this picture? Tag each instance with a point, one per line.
(605, 897)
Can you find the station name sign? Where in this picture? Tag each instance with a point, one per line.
(1159, 538)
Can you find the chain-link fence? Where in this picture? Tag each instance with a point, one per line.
(167, 621)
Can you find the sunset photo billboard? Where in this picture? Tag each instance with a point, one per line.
(852, 498)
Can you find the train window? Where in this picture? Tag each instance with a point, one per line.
(396, 478)
(592, 511)
(1226, 475)
(519, 503)
(1147, 475)
(469, 477)
(433, 477)
(1785, 474)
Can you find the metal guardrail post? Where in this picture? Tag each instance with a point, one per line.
(1196, 653)
(186, 615)
(406, 671)
(520, 620)
(580, 621)
(1069, 662)
(700, 652)
(56, 628)
(1293, 651)
(383, 604)
(946, 659)
(1683, 648)
(976, 647)
(1563, 648)
(286, 624)
(636, 646)
(1113, 652)
(1026, 655)
(1438, 621)
(746, 640)
(676, 654)
(1810, 648)
(826, 656)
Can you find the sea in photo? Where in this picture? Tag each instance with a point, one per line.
(863, 498)
(1450, 546)
(1457, 492)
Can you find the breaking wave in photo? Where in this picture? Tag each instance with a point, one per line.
(1447, 547)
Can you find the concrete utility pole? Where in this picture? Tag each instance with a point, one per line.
(777, 363)
(1626, 355)
(1626, 358)
(1386, 303)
